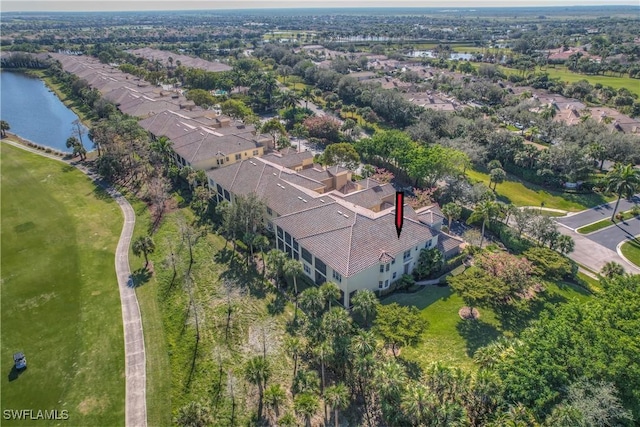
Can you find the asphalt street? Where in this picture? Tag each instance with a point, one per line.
(611, 236)
(596, 214)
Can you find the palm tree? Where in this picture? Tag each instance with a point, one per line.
(417, 404)
(452, 211)
(276, 260)
(257, 372)
(623, 180)
(312, 301)
(274, 397)
(293, 269)
(194, 414)
(4, 127)
(143, 245)
(329, 291)
(337, 396)
(294, 346)
(261, 242)
(484, 211)
(365, 303)
(307, 95)
(289, 99)
(612, 269)
(306, 404)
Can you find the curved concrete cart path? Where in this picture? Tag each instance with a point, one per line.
(135, 362)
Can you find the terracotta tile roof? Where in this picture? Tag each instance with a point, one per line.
(350, 242)
(268, 182)
(371, 197)
(201, 144)
(289, 158)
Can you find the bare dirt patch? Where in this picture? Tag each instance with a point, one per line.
(466, 313)
(91, 404)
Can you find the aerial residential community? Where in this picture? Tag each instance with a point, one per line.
(421, 214)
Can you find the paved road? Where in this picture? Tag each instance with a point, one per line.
(610, 237)
(596, 214)
(594, 255)
(135, 362)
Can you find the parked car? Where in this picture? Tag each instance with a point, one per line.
(20, 361)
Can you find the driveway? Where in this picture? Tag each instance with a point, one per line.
(596, 214)
(610, 237)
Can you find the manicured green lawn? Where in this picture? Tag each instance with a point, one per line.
(521, 193)
(631, 250)
(60, 299)
(603, 224)
(453, 340)
(568, 76)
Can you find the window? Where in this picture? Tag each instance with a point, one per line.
(394, 274)
(387, 268)
(279, 231)
(287, 238)
(219, 189)
(393, 261)
(227, 195)
(295, 244)
(337, 276)
(320, 279)
(381, 268)
(407, 255)
(321, 266)
(306, 255)
(269, 226)
(227, 159)
(269, 211)
(427, 245)
(255, 152)
(380, 284)
(307, 269)
(296, 255)
(238, 156)
(386, 283)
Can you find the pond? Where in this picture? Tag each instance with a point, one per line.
(35, 113)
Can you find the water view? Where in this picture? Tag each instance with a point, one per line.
(35, 113)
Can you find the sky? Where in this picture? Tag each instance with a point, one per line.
(119, 5)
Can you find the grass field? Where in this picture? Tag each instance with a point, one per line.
(603, 224)
(521, 193)
(453, 340)
(60, 299)
(570, 77)
(631, 251)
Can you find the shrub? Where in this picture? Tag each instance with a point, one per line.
(550, 264)
(405, 282)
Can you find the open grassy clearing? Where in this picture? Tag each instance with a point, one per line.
(453, 340)
(631, 251)
(570, 77)
(60, 298)
(179, 370)
(603, 223)
(521, 193)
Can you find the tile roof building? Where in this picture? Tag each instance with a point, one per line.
(345, 237)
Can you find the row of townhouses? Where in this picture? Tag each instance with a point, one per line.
(340, 230)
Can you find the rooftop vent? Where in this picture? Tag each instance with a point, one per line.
(339, 212)
(345, 215)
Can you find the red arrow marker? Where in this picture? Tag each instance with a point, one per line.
(399, 211)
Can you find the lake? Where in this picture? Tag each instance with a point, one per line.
(35, 113)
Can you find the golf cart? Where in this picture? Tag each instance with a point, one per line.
(20, 361)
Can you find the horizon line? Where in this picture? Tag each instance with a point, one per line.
(44, 6)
